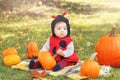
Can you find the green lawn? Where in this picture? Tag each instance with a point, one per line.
(89, 20)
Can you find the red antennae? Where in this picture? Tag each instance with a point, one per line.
(53, 16)
(64, 13)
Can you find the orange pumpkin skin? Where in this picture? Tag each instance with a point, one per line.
(90, 69)
(9, 51)
(32, 50)
(11, 59)
(108, 49)
(46, 60)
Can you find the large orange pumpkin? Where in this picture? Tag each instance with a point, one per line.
(90, 69)
(9, 51)
(11, 59)
(46, 60)
(32, 50)
(108, 49)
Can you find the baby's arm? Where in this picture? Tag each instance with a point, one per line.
(68, 52)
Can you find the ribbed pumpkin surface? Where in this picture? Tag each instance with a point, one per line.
(11, 59)
(90, 68)
(46, 60)
(108, 49)
(9, 51)
(32, 50)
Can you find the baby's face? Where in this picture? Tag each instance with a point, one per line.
(60, 29)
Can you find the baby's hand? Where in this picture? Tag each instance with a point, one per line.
(60, 52)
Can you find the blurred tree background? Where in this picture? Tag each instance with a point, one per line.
(31, 8)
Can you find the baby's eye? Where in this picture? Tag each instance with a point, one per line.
(58, 28)
(64, 28)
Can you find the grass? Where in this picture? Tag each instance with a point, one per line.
(89, 20)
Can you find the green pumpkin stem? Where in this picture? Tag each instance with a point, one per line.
(92, 57)
(112, 33)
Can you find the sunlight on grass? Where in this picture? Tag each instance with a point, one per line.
(103, 16)
(104, 3)
(7, 35)
(97, 18)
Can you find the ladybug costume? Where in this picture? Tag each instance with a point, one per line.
(54, 43)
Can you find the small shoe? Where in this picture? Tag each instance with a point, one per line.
(56, 68)
(32, 62)
(37, 65)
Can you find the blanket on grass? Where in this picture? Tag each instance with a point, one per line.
(66, 72)
(72, 72)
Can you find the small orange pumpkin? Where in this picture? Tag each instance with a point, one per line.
(32, 50)
(11, 59)
(108, 48)
(9, 51)
(90, 68)
(46, 60)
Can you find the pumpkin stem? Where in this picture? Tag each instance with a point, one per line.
(112, 33)
(54, 56)
(92, 57)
